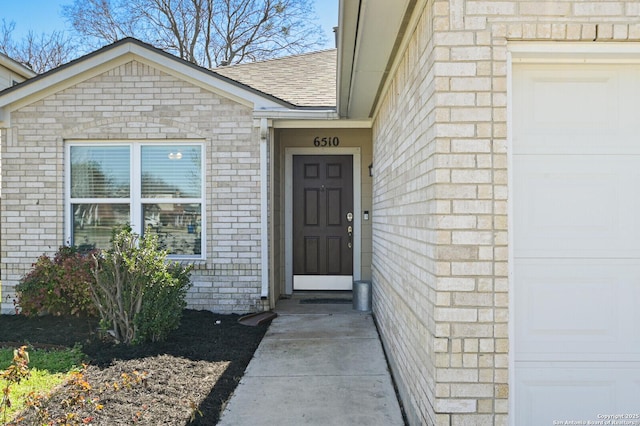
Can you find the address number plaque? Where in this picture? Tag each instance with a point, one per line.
(326, 141)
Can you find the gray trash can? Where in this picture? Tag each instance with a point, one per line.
(362, 296)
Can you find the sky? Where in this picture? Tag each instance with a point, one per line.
(44, 16)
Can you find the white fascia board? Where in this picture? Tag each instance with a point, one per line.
(60, 80)
(296, 114)
(283, 118)
(322, 124)
(110, 58)
(347, 26)
(16, 67)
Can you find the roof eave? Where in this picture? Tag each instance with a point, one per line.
(368, 34)
(16, 67)
(125, 50)
(297, 113)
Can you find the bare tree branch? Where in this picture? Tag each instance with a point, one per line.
(105, 20)
(38, 52)
(205, 32)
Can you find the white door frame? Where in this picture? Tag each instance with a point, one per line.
(545, 53)
(288, 207)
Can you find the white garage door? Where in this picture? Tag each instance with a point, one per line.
(576, 215)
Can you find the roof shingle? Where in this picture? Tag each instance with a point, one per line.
(305, 80)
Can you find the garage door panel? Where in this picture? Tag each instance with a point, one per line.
(584, 204)
(584, 393)
(576, 310)
(577, 100)
(557, 308)
(575, 194)
(572, 110)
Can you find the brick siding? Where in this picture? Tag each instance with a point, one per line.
(137, 102)
(440, 271)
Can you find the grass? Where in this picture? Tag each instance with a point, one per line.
(48, 368)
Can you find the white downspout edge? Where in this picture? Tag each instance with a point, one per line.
(264, 206)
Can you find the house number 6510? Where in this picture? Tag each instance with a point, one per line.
(326, 141)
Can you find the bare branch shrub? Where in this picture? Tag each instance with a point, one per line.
(139, 294)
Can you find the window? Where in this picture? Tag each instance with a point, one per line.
(156, 187)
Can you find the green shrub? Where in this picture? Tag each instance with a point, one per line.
(59, 286)
(139, 295)
(163, 303)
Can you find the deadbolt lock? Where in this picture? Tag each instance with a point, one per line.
(350, 217)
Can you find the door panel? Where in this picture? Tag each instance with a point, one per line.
(322, 197)
(334, 260)
(311, 204)
(334, 207)
(311, 254)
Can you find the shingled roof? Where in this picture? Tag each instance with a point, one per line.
(305, 80)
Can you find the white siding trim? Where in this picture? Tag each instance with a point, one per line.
(578, 52)
(510, 227)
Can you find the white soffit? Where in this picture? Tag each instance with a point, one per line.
(377, 25)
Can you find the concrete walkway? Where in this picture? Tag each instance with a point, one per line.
(318, 364)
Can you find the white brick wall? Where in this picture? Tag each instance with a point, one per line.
(440, 197)
(135, 101)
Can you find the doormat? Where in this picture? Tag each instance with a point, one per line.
(327, 301)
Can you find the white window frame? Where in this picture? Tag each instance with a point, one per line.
(135, 199)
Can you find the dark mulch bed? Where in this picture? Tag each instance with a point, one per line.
(194, 371)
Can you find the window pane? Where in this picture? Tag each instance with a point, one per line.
(100, 172)
(93, 223)
(171, 172)
(178, 226)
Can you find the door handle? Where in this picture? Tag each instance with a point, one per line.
(350, 229)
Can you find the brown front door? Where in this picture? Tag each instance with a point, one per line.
(322, 222)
